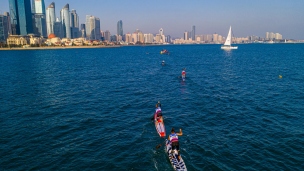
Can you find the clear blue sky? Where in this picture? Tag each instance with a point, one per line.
(177, 16)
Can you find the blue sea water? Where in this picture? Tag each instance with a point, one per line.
(90, 109)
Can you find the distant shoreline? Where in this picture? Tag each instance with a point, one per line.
(59, 47)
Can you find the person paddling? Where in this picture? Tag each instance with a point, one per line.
(158, 111)
(173, 137)
(184, 73)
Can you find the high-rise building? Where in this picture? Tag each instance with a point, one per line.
(8, 22)
(39, 17)
(119, 28)
(21, 17)
(38, 6)
(186, 35)
(74, 22)
(161, 31)
(65, 20)
(50, 18)
(193, 33)
(83, 30)
(107, 36)
(58, 29)
(3, 28)
(92, 27)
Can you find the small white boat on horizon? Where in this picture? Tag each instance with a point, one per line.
(227, 44)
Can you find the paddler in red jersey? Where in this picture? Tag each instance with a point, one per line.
(184, 73)
(173, 137)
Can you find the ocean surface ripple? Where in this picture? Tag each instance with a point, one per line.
(90, 109)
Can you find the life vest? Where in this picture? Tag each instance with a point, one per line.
(183, 72)
(173, 137)
(158, 110)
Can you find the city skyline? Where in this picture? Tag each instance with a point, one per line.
(176, 17)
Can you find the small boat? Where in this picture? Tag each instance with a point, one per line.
(163, 63)
(164, 52)
(227, 44)
(159, 123)
(177, 164)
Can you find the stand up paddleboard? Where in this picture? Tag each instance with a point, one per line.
(183, 77)
(178, 165)
(159, 125)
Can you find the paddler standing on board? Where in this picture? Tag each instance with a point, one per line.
(158, 111)
(173, 137)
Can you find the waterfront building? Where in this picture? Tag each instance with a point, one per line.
(17, 40)
(39, 18)
(50, 18)
(168, 39)
(193, 33)
(107, 36)
(215, 38)
(39, 25)
(74, 24)
(119, 28)
(278, 36)
(186, 35)
(128, 38)
(161, 31)
(9, 29)
(148, 38)
(21, 17)
(93, 28)
(158, 38)
(83, 30)
(65, 20)
(58, 29)
(38, 6)
(36, 40)
(273, 36)
(4, 27)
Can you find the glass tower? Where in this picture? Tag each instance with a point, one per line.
(65, 20)
(193, 33)
(21, 17)
(92, 27)
(74, 23)
(119, 28)
(50, 18)
(39, 17)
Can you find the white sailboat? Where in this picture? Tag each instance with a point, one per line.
(227, 44)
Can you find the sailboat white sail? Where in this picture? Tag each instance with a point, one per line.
(227, 44)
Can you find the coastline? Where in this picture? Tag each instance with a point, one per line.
(59, 47)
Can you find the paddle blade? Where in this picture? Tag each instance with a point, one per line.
(159, 145)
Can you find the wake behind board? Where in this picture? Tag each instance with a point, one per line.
(178, 165)
(160, 126)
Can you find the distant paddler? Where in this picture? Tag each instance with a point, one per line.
(184, 73)
(163, 63)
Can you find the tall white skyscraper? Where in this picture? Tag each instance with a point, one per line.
(93, 27)
(65, 20)
(50, 18)
(186, 35)
(38, 6)
(161, 31)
